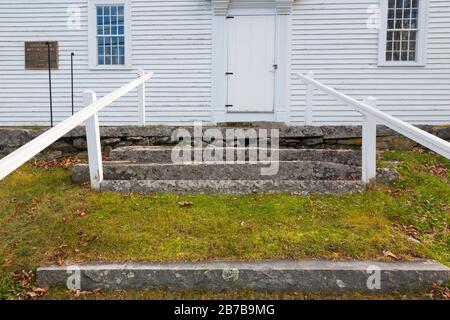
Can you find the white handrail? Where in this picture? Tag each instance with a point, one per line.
(17, 158)
(422, 137)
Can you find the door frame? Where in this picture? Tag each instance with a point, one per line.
(281, 109)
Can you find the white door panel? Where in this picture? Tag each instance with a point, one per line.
(251, 59)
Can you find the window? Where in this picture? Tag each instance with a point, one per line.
(109, 30)
(402, 33)
(110, 35)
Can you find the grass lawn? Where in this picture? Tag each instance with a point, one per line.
(44, 218)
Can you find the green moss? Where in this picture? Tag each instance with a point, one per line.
(44, 218)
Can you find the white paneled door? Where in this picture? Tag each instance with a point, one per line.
(251, 63)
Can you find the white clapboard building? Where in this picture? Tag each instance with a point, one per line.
(227, 60)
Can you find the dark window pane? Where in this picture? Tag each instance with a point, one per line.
(391, 14)
(404, 45)
(389, 56)
(391, 24)
(389, 35)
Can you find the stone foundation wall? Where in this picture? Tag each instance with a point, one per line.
(332, 137)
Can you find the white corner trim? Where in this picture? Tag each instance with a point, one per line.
(422, 38)
(92, 34)
(220, 7)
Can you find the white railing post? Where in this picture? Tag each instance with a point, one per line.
(309, 100)
(369, 144)
(93, 143)
(141, 99)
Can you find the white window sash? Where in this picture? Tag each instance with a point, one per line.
(421, 37)
(92, 32)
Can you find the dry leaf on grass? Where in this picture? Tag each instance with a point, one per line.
(80, 213)
(8, 263)
(64, 162)
(185, 203)
(437, 170)
(36, 293)
(78, 293)
(390, 255)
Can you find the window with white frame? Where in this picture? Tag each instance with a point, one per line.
(402, 34)
(110, 35)
(109, 29)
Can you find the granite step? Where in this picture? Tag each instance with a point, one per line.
(287, 170)
(145, 154)
(310, 276)
(241, 187)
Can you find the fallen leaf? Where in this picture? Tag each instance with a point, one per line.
(60, 261)
(80, 213)
(390, 254)
(8, 263)
(185, 203)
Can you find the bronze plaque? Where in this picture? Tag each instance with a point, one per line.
(36, 55)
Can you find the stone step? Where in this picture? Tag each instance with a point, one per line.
(287, 170)
(290, 276)
(302, 187)
(164, 155)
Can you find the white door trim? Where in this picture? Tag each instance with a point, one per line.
(281, 112)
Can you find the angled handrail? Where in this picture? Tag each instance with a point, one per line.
(373, 115)
(17, 158)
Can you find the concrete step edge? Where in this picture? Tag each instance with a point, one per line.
(233, 187)
(300, 276)
(164, 155)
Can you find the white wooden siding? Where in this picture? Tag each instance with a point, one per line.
(173, 38)
(331, 39)
(170, 37)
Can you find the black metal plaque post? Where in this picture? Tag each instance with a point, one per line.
(50, 84)
(71, 78)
